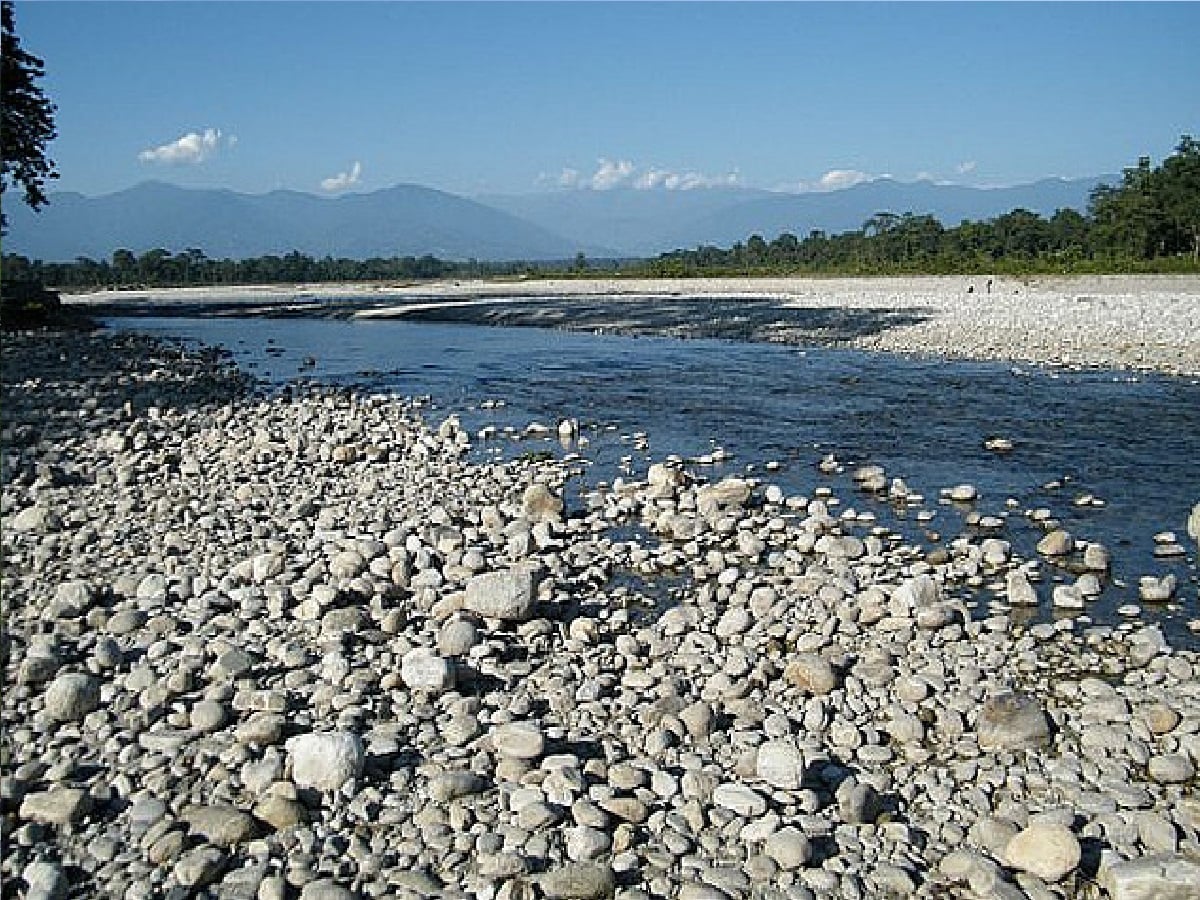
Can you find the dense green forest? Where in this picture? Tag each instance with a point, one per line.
(1148, 222)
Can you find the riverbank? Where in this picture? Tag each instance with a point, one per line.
(303, 645)
(1138, 322)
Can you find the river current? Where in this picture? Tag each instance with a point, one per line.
(1113, 456)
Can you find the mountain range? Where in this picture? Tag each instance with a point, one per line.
(411, 220)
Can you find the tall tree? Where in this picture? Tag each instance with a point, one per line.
(1180, 191)
(28, 119)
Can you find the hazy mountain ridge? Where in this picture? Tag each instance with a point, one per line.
(405, 220)
(410, 220)
(845, 210)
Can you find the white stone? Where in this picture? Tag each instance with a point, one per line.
(789, 847)
(744, 801)
(423, 670)
(519, 740)
(1158, 877)
(325, 760)
(1049, 851)
(508, 595)
(780, 764)
(71, 696)
(1018, 589)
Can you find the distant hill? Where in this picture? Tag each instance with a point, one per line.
(645, 223)
(630, 222)
(410, 220)
(405, 220)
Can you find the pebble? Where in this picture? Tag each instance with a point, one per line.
(578, 881)
(423, 670)
(325, 761)
(780, 764)
(811, 673)
(508, 595)
(56, 806)
(1049, 851)
(45, 881)
(71, 696)
(326, 651)
(789, 847)
(1056, 543)
(1012, 721)
(519, 740)
(1165, 876)
(742, 800)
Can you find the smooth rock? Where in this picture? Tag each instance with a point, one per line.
(739, 798)
(71, 696)
(1018, 589)
(1012, 721)
(452, 785)
(1056, 543)
(1171, 768)
(327, 760)
(811, 673)
(519, 740)
(423, 670)
(56, 806)
(508, 595)
(45, 881)
(220, 824)
(789, 847)
(578, 881)
(1049, 851)
(1157, 877)
(200, 867)
(326, 889)
(780, 764)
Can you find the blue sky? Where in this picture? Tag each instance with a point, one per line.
(517, 97)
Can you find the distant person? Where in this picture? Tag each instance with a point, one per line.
(989, 286)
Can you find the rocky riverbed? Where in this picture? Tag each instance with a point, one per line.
(302, 645)
(1139, 322)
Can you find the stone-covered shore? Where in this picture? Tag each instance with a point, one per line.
(304, 646)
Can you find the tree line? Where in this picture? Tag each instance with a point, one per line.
(192, 267)
(1151, 220)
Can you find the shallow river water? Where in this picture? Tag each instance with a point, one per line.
(1129, 442)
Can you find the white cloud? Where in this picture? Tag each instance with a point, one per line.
(193, 147)
(836, 179)
(966, 168)
(343, 180)
(611, 174)
(833, 180)
(665, 179)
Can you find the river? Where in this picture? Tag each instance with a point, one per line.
(1110, 455)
